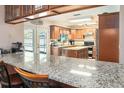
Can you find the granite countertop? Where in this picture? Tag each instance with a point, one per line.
(73, 47)
(76, 48)
(72, 71)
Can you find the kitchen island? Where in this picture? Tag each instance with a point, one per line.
(72, 71)
(75, 51)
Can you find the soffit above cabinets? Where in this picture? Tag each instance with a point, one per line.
(15, 14)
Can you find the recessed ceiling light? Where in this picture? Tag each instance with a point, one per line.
(43, 14)
(30, 17)
(88, 23)
(81, 20)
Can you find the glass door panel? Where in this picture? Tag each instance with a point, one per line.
(28, 40)
(35, 41)
(29, 44)
(43, 42)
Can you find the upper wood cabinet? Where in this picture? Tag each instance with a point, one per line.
(55, 31)
(13, 12)
(27, 10)
(40, 8)
(73, 34)
(79, 34)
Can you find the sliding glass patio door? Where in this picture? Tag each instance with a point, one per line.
(35, 39)
(28, 40)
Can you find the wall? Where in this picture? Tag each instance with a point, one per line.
(9, 33)
(121, 35)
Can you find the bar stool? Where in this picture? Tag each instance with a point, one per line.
(35, 80)
(7, 80)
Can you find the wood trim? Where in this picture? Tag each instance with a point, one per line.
(55, 11)
(30, 75)
(105, 14)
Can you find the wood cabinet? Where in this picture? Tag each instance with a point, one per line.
(109, 37)
(55, 31)
(14, 12)
(56, 51)
(94, 52)
(82, 53)
(40, 8)
(79, 33)
(73, 33)
(27, 10)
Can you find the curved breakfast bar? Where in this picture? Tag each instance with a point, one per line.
(72, 71)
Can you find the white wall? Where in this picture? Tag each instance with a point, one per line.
(121, 39)
(9, 33)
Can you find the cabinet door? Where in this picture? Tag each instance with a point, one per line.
(8, 12)
(108, 20)
(27, 10)
(109, 38)
(79, 34)
(56, 32)
(52, 32)
(73, 34)
(40, 8)
(16, 11)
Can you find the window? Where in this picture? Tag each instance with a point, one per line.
(42, 42)
(28, 39)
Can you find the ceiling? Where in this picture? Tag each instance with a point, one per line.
(64, 19)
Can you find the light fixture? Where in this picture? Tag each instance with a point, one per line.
(43, 14)
(37, 15)
(30, 17)
(87, 23)
(81, 20)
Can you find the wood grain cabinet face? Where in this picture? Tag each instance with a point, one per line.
(14, 12)
(83, 53)
(109, 37)
(73, 34)
(55, 6)
(40, 8)
(54, 32)
(109, 21)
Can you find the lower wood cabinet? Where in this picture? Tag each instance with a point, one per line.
(82, 53)
(56, 51)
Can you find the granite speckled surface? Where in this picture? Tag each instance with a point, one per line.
(72, 71)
